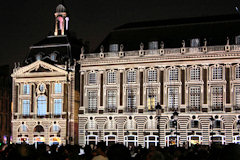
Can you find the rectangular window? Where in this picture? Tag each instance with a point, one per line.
(237, 72)
(153, 45)
(237, 96)
(26, 89)
(173, 97)
(113, 47)
(195, 74)
(217, 96)
(131, 76)
(152, 76)
(26, 107)
(57, 88)
(92, 100)
(173, 74)
(195, 42)
(194, 96)
(131, 99)
(111, 77)
(111, 100)
(57, 106)
(151, 98)
(92, 79)
(217, 73)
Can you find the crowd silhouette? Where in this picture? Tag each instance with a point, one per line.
(118, 152)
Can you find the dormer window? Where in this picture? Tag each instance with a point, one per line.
(195, 42)
(113, 47)
(53, 56)
(38, 57)
(237, 39)
(153, 45)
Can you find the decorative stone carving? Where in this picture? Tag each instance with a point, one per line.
(183, 49)
(161, 51)
(121, 53)
(204, 48)
(141, 51)
(101, 55)
(227, 46)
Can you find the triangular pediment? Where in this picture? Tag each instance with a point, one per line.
(38, 67)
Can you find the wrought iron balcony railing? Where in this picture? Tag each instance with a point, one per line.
(217, 108)
(193, 109)
(131, 109)
(111, 109)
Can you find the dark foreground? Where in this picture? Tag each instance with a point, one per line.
(118, 152)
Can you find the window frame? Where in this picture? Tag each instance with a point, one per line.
(194, 96)
(216, 73)
(176, 97)
(92, 100)
(58, 88)
(195, 74)
(111, 77)
(152, 75)
(173, 74)
(58, 106)
(26, 111)
(26, 89)
(131, 76)
(215, 98)
(92, 75)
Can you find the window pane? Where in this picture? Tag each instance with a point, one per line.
(131, 99)
(26, 107)
(131, 76)
(153, 45)
(151, 98)
(92, 100)
(152, 76)
(195, 96)
(113, 47)
(57, 106)
(111, 77)
(41, 105)
(172, 97)
(217, 73)
(195, 42)
(237, 72)
(237, 95)
(217, 96)
(195, 73)
(26, 89)
(111, 99)
(92, 78)
(173, 74)
(58, 88)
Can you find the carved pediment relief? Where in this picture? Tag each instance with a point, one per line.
(38, 67)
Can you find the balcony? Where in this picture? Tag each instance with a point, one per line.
(132, 109)
(172, 109)
(111, 109)
(217, 108)
(236, 108)
(93, 110)
(21, 116)
(193, 109)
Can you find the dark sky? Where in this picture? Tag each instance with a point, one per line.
(25, 22)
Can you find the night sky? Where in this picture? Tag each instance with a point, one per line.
(25, 22)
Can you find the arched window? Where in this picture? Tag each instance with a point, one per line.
(41, 105)
(23, 128)
(38, 128)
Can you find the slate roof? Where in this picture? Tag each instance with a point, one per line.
(215, 29)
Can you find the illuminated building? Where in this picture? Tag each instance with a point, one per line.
(121, 86)
(45, 96)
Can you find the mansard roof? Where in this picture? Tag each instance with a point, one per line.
(215, 29)
(66, 47)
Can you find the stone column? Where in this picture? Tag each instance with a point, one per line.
(183, 121)
(31, 125)
(120, 128)
(141, 120)
(228, 122)
(100, 122)
(81, 130)
(204, 119)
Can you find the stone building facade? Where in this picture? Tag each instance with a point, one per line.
(119, 91)
(45, 97)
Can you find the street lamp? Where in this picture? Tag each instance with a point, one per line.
(211, 126)
(158, 113)
(175, 117)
